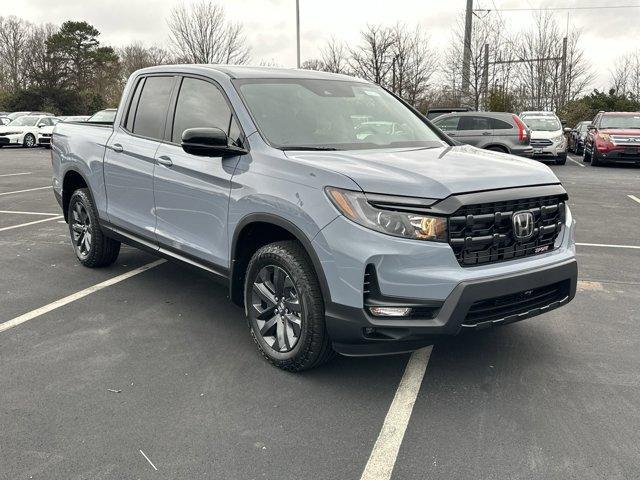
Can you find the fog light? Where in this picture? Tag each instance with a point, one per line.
(390, 311)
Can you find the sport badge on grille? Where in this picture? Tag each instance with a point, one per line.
(523, 225)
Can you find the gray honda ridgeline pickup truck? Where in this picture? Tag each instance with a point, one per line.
(338, 216)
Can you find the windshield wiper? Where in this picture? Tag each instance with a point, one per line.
(308, 148)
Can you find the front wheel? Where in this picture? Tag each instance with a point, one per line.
(562, 159)
(92, 247)
(284, 307)
(586, 157)
(595, 160)
(29, 140)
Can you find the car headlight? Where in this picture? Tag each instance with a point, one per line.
(558, 139)
(355, 207)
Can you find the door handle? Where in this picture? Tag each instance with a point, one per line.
(117, 148)
(164, 160)
(486, 133)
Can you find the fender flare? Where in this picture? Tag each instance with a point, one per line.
(296, 232)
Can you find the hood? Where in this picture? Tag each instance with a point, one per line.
(430, 172)
(632, 132)
(545, 134)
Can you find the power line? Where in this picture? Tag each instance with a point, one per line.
(595, 7)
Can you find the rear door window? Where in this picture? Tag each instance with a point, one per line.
(474, 123)
(152, 108)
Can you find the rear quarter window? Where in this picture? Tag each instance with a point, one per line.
(500, 124)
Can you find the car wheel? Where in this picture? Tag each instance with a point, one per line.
(561, 160)
(29, 140)
(284, 308)
(495, 148)
(586, 158)
(92, 247)
(595, 161)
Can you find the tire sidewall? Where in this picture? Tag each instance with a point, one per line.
(29, 135)
(81, 196)
(259, 261)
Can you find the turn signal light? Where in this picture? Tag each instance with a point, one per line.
(390, 311)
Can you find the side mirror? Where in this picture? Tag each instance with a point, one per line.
(568, 130)
(209, 142)
(591, 127)
(40, 125)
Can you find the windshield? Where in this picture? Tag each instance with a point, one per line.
(543, 124)
(103, 116)
(330, 114)
(620, 121)
(24, 122)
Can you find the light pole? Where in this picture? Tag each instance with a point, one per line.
(298, 32)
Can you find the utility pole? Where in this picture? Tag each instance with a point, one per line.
(563, 73)
(485, 74)
(466, 53)
(298, 32)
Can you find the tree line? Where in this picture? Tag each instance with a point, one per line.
(67, 70)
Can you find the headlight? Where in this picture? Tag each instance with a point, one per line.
(355, 207)
(558, 139)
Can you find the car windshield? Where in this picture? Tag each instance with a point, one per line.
(330, 114)
(24, 121)
(543, 124)
(620, 121)
(103, 116)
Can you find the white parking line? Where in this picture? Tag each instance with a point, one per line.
(30, 213)
(14, 174)
(4, 229)
(634, 198)
(576, 162)
(76, 296)
(385, 451)
(27, 190)
(150, 462)
(634, 247)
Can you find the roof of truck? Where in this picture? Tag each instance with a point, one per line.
(245, 71)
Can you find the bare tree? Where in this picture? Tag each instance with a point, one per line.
(335, 57)
(373, 58)
(414, 64)
(201, 33)
(14, 36)
(314, 64)
(41, 67)
(136, 56)
(625, 77)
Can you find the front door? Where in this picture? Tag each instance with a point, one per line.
(192, 192)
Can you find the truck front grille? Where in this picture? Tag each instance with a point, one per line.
(483, 233)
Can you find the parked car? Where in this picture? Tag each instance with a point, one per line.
(5, 121)
(500, 132)
(575, 139)
(330, 242)
(548, 138)
(15, 115)
(613, 137)
(24, 130)
(536, 113)
(433, 113)
(45, 132)
(105, 116)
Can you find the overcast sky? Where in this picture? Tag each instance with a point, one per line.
(270, 24)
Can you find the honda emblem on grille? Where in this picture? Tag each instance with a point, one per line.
(523, 225)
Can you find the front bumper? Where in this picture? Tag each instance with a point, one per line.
(629, 156)
(552, 151)
(11, 140)
(472, 305)
(526, 152)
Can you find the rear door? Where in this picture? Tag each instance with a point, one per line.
(192, 192)
(475, 130)
(130, 157)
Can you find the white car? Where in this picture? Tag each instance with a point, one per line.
(24, 130)
(548, 138)
(45, 133)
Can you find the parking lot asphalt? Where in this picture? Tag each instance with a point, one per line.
(557, 396)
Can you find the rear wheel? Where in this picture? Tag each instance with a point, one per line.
(284, 307)
(92, 247)
(496, 148)
(29, 140)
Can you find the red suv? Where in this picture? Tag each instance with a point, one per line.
(613, 137)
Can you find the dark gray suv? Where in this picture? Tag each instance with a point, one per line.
(498, 131)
